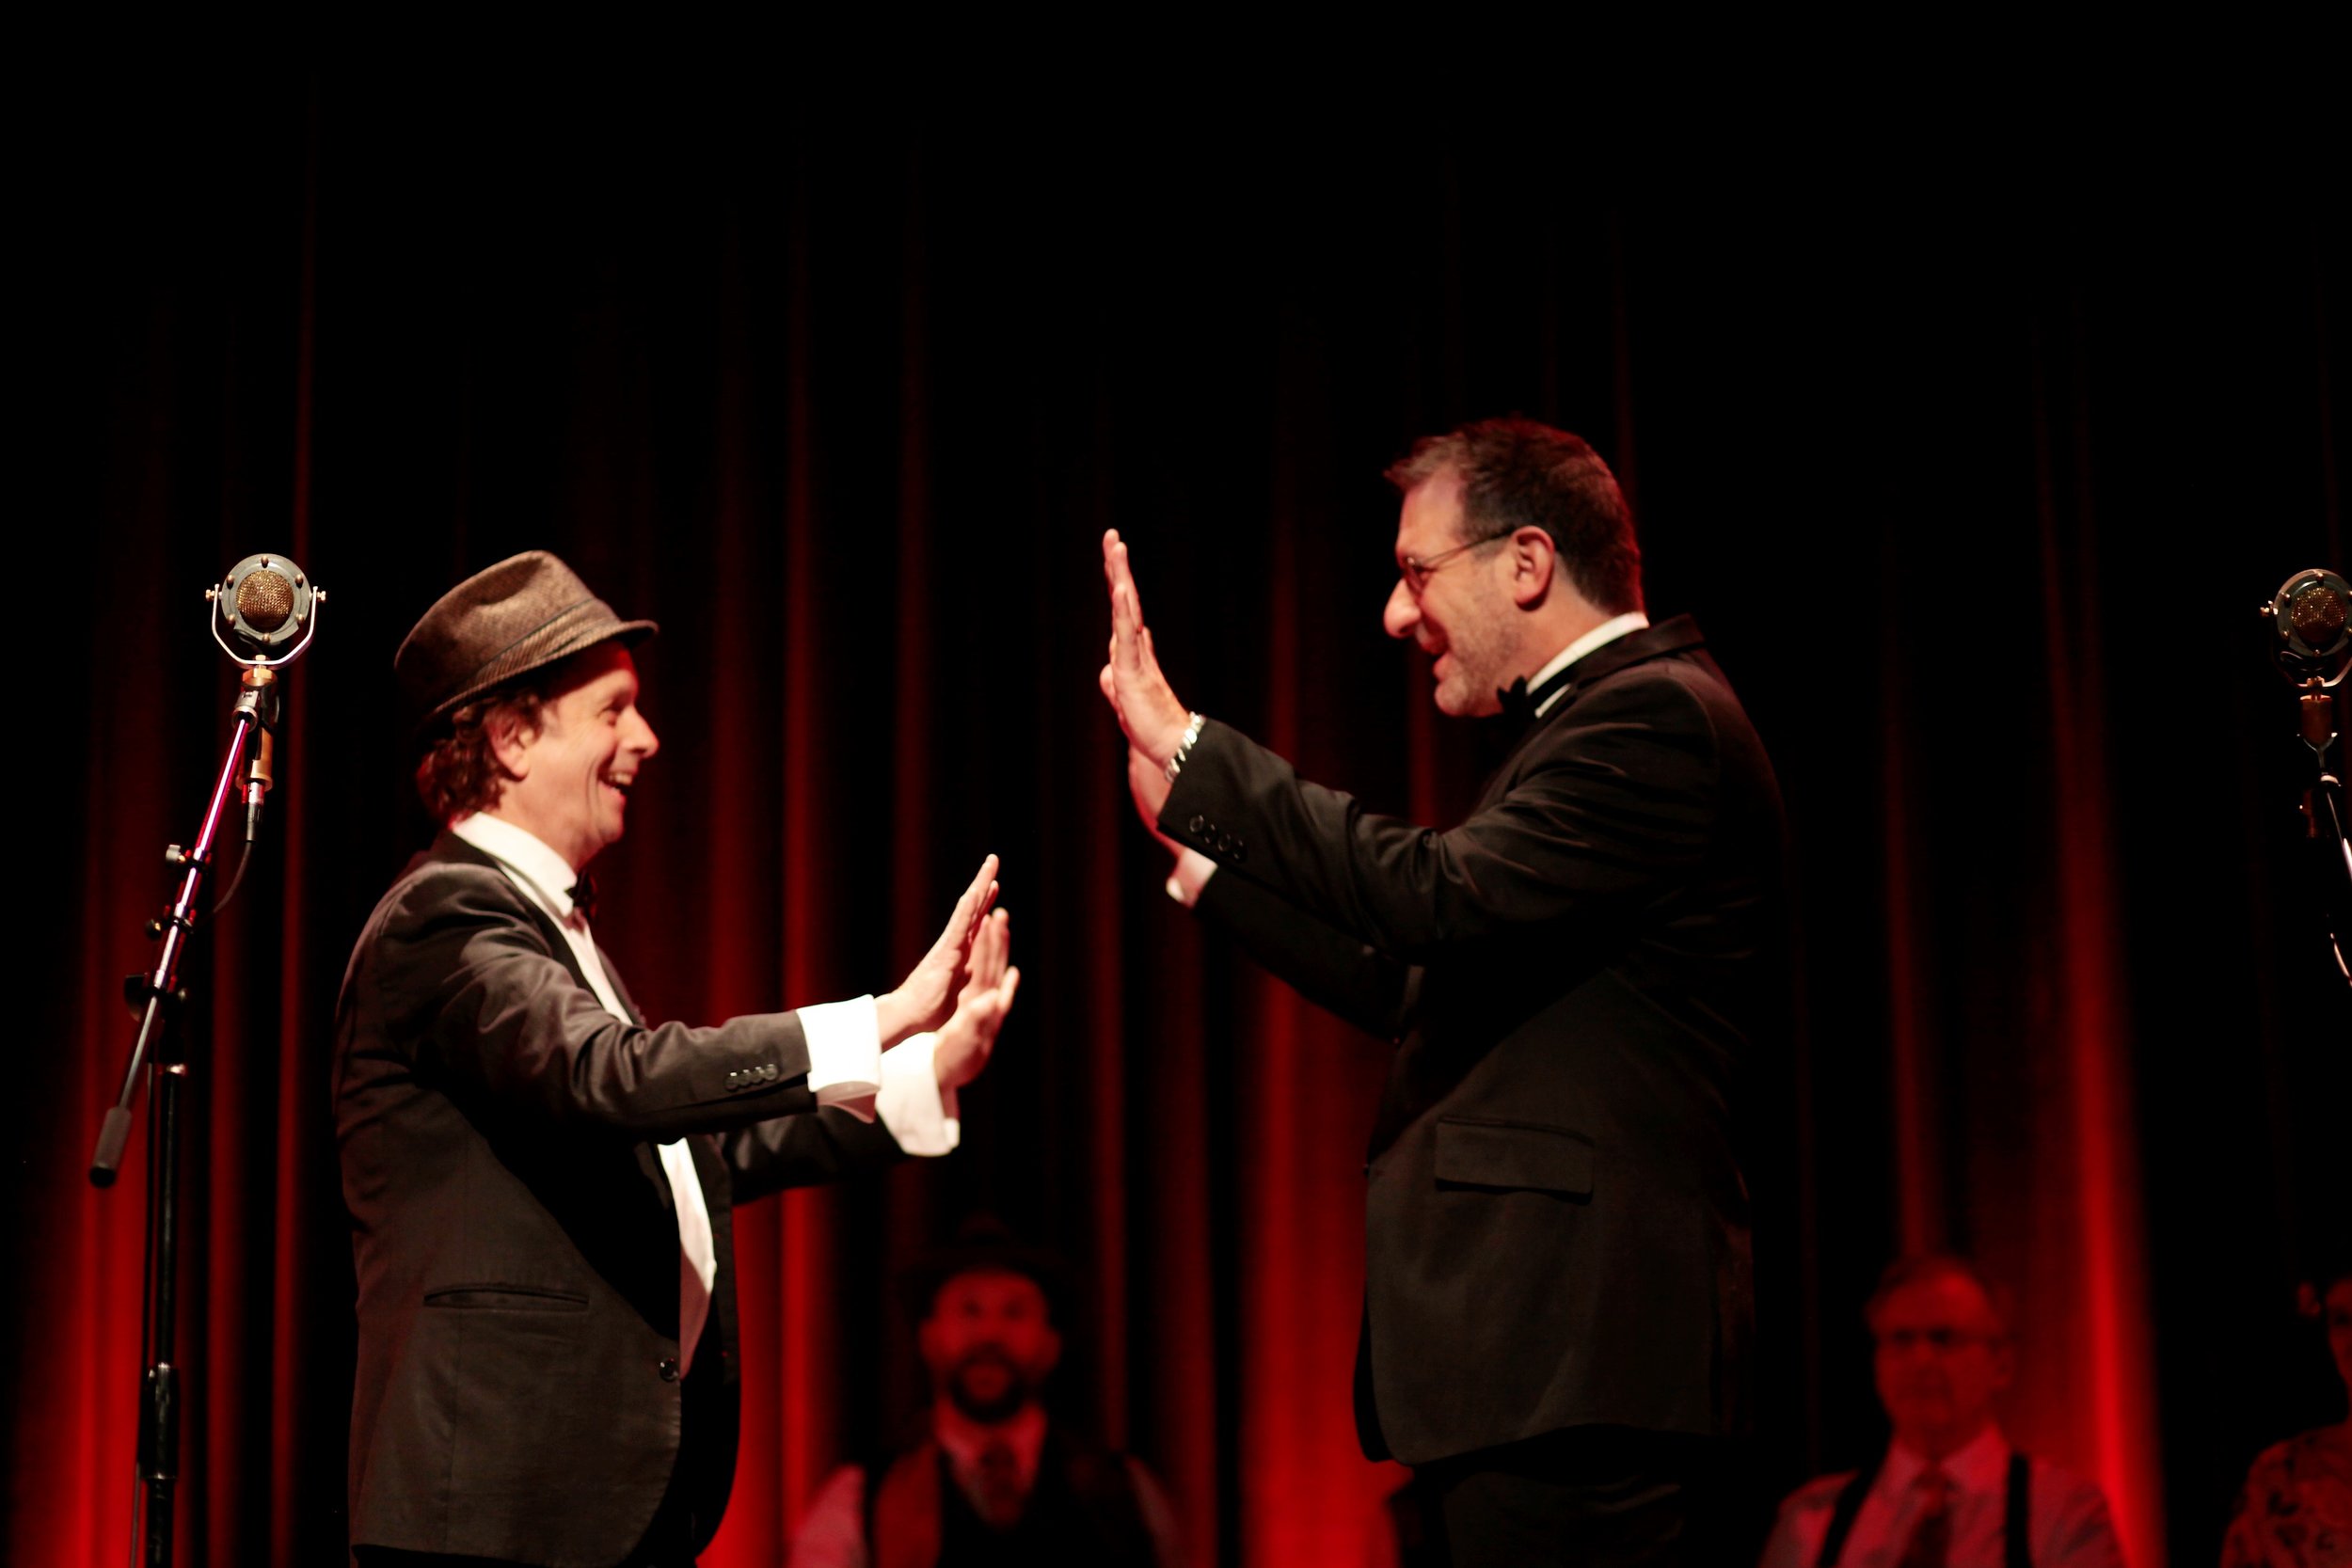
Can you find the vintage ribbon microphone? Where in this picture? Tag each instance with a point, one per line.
(264, 613)
(2311, 618)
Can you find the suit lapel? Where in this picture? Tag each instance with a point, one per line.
(620, 987)
(449, 847)
(1678, 635)
(710, 1165)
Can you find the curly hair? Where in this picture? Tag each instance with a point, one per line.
(1516, 473)
(460, 772)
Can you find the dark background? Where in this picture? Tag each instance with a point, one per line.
(1974, 459)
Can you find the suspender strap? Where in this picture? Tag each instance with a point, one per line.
(1841, 1516)
(902, 1509)
(2019, 1552)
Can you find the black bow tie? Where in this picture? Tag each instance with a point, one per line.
(1520, 704)
(584, 897)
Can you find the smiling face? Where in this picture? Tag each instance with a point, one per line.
(990, 1343)
(1462, 617)
(569, 776)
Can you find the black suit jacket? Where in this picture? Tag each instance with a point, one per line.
(1556, 1224)
(515, 1235)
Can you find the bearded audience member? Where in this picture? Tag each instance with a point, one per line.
(990, 1475)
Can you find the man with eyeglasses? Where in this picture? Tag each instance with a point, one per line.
(1948, 1492)
(1558, 1306)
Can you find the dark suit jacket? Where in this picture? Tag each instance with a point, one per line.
(1557, 1228)
(515, 1235)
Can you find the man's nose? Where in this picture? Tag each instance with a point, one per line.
(1403, 611)
(644, 742)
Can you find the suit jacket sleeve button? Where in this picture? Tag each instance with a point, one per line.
(668, 1370)
(1197, 823)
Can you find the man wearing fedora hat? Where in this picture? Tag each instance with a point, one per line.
(539, 1183)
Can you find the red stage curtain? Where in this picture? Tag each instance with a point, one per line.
(1974, 493)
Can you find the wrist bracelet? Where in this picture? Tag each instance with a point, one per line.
(1184, 748)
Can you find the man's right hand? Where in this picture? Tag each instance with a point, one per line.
(1149, 713)
(928, 995)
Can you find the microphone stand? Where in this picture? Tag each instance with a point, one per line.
(2324, 816)
(154, 996)
(2308, 616)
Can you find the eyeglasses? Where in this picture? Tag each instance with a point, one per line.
(1416, 573)
(1941, 1341)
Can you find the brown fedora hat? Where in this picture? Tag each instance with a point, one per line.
(504, 622)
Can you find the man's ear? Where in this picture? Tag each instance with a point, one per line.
(1534, 559)
(510, 736)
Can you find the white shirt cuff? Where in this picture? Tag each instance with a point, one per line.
(844, 1054)
(1192, 873)
(918, 1113)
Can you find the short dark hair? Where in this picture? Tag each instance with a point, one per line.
(1919, 1267)
(460, 773)
(1014, 1269)
(1516, 473)
(984, 1243)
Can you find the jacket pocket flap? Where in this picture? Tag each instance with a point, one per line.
(1514, 1154)
(508, 1298)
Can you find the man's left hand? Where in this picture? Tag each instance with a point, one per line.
(1149, 713)
(968, 1036)
(922, 1000)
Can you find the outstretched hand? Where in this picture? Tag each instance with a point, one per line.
(924, 998)
(1148, 710)
(1149, 714)
(963, 1045)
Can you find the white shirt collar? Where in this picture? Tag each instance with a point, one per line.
(1980, 1465)
(1607, 632)
(543, 874)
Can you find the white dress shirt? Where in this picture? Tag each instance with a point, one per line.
(848, 1067)
(2066, 1523)
(1601, 636)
